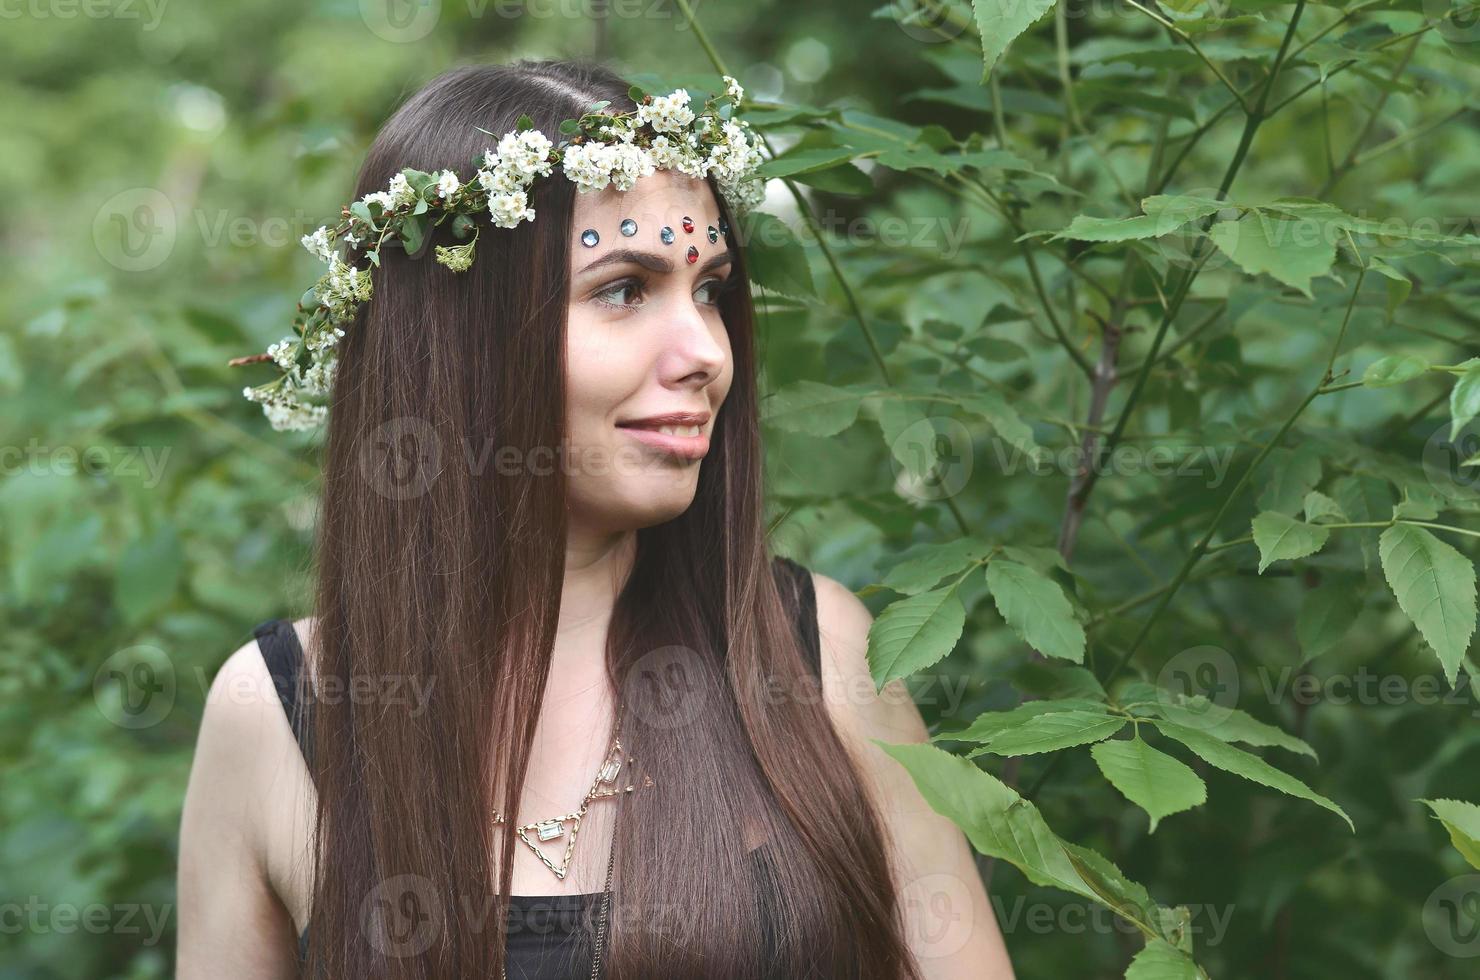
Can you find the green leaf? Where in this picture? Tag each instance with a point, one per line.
(1154, 781)
(1279, 537)
(1054, 730)
(1319, 507)
(844, 178)
(1001, 824)
(923, 569)
(1326, 614)
(813, 408)
(1399, 286)
(1393, 370)
(413, 233)
(1435, 586)
(775, 258)
(1230, 759)
(1037, 610)
(999, 22)
(1163, 215)
(913, 633)
(1285, 250)
(1231, 724)
(1464, 399)
(990, 724)
(1003, 418)
(1462, 820)
(806, 161)
(1160, 960)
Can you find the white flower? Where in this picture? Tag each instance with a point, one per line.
(401, 192)
(667, 113)
(447, 184)
(733, 89)
(351, 241)
(589, 165)
(500, 180)
(524, 152)
(318, 244)
(630, 163)
(381, 198)
(734, 155)
(509, 209)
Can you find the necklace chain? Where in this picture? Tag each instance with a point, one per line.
(551, 828)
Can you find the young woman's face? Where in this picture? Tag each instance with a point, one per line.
(644, 340)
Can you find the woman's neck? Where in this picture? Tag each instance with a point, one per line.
(596, 565)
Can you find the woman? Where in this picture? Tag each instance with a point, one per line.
(588, 379)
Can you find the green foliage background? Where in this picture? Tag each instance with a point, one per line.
(1094, 245)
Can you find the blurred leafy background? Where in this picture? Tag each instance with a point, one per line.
(166, 157)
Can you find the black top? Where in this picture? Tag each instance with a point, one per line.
(544, 931)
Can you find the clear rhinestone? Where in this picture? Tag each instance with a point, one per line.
(589, 238)
(549, 829)
(629, 227)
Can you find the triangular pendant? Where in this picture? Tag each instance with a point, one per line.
(568, 826)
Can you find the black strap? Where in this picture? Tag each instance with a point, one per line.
(801, 597)
(283, 655)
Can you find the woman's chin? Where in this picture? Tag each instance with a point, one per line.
(642, 502)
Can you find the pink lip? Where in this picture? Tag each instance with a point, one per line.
(685, 447)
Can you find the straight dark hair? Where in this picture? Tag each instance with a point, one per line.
(431, 564)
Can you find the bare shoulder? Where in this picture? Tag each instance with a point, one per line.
(229, 911)
(843, 623)
(949, 922)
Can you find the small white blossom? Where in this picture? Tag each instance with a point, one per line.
(447, 184)
(524, 152)
(667, 113)
(401, 192)
(318, 244)
(381, 198)
(733, 89)
(589, 165)
(629, 163)
(509, 209)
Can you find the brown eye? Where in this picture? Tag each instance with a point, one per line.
(619, 288)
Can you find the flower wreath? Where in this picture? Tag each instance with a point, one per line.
(599, 149)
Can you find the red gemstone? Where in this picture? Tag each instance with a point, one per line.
(688, 223)
(693, 255)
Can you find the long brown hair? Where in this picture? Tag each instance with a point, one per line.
(437, 563)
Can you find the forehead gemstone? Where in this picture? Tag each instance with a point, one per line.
(629, 227)
(589, 238)
(693, 255)
(724, 227)
(713, 233)
(667, 235)
(688, 223)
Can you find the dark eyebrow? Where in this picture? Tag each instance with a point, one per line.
(653, 261)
